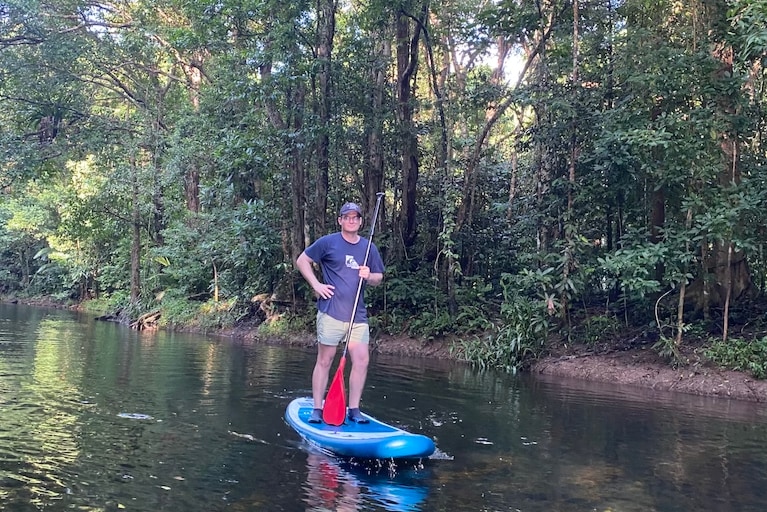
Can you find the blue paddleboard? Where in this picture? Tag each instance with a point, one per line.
(373, 440)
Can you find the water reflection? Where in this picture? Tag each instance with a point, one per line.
(663, 449)
(348, 486)
(638, 398)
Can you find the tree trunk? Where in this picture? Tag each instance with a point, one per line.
(408, 37)
(158, 199)
(374, 172)
(657, 221)
(682, 291)
(192, 178)
(569, 263)
(297, 173)
(727, 268)
(291, 134)
(135, 250)
(326, 27)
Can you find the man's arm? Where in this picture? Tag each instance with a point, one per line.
(372, 278)
(304, 265)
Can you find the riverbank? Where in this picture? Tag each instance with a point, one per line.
(636, 365)
(643, 367)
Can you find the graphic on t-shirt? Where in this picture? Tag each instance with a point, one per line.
(351, 262)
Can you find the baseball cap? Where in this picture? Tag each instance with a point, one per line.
(350, 207)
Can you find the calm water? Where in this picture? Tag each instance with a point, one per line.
(96, 417)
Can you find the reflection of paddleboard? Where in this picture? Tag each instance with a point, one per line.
(332, 485)
(374, 440)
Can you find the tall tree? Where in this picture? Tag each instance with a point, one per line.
(409, 27)
(281, 50)
(326, 28)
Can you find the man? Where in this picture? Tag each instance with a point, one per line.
(341, 256)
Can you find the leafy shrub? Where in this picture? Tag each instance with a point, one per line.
(667, 348)
(597, 328)
(416, 306)
(409, 292)
(219, 314)
(287, 324)
(237, 250)
(471, 319)
(98, 306)
(177, 310)
(740, 355)
(506, 349)
(519, 338)
(430, 324)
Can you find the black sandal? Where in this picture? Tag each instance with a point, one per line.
(355, 416)
(316, 416)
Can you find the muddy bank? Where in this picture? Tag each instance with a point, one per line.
(642, 367)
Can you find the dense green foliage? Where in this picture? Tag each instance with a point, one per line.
(742, 355)
(561, 170)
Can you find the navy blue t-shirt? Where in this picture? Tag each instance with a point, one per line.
(340, 262)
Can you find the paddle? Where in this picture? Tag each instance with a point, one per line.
(334, 409)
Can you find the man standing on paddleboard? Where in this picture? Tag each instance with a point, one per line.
(345, 258)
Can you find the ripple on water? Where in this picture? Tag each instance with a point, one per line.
(135, 416)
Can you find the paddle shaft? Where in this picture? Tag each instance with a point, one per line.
(379, 195)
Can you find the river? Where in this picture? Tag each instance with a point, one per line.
(98, 417)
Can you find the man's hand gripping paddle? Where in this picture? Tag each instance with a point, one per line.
(334, 409)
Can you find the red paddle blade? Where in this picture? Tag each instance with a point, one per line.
(334, 409)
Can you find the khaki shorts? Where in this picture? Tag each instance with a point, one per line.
(332, 332)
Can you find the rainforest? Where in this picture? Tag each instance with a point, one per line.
(557, 174)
